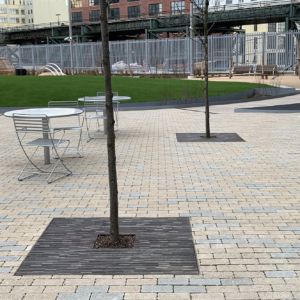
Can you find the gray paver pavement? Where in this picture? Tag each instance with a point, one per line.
(244, 198)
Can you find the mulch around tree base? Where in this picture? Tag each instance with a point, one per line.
(103, 241)
(215, 138)
(66, 247)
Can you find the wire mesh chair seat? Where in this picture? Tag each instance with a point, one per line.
(116, 107)
(33, 125)
(96, 107)
(77, 127)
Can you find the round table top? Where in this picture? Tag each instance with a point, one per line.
(102, 98)
(49, 112)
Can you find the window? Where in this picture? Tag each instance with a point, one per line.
(133, 12)
(132, 0)
(28, 11)
(94, 15)
(13, 11)
(22, 12)
(23, 21)
(13, 20)
(114, 14)
(114, 1)
(31, 20)
(217, 3)
(77, 16)
(31, 11)
(197, 5)
(241, 1)
(155, 9)
(2, 2)
(272, 27)
(3, 10)
(255, 27)
(177, 7)
(255, 43)
(94, 2)
(281, 26)
(76, 3)
(228, 1)
(3, 20)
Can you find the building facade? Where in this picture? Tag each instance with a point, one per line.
(89, 10)
(46, 11)
(12, 13)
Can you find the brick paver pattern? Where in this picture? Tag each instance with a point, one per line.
(242, 200)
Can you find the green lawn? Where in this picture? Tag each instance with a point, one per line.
(19, 91)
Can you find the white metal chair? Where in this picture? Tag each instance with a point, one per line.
(95, 106)
(33, 125)
(77, 126)
(116, 107)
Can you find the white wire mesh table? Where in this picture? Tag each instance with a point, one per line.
(50, 113)
(115, 99)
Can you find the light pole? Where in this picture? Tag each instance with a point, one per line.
(71, 37)
(191, 41)
(58, 19)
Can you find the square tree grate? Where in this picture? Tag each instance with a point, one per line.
(162, 246)
(216, 137)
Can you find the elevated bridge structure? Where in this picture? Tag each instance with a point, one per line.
(222, 19)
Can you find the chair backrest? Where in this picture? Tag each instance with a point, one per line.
(31, 123)
(103, 94)
(93, 104)
(69, 104)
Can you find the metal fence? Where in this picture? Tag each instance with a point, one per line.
(165, 55)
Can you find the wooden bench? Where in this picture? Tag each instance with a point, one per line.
(268, 69)
(242, 69)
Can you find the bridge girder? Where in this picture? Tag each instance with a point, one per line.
(178, 23)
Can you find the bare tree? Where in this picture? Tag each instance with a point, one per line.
(201, 18)
(202, 8)
(111, 150)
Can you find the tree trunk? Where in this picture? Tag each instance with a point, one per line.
(111, 151)
(205, 27)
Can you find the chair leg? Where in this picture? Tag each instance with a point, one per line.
(61, 161)
(81, 153)
(29, 161)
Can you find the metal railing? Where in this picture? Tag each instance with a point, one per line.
(165, 55)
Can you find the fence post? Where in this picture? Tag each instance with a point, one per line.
(236, 49)
(298, 55)
(147, 54)
(93, 56)
(76, 56)
(32, 55)
(263, 48)
(47, 58)
(20, 60)
(211, 53)
(128, 62)
(61, 57)
(166, 55)
(230, 66)
(188, 56)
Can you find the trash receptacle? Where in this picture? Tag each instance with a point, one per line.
(21, 72)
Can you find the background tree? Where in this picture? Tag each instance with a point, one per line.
(111, 149)
(202, 7)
